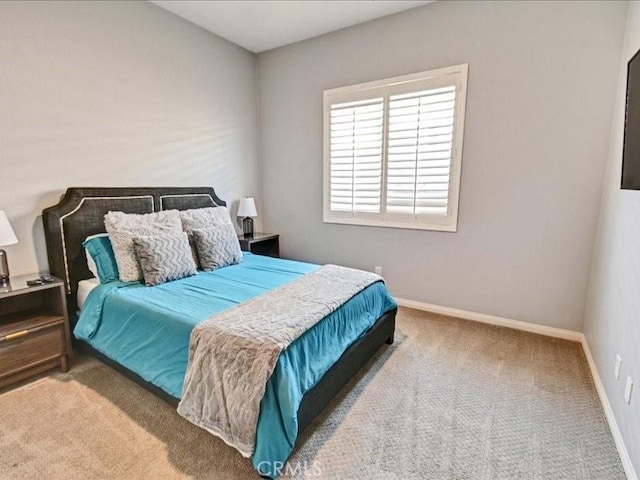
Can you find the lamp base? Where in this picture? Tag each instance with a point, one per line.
(247, 227)
(4, 268)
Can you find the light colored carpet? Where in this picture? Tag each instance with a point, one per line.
(450, 399)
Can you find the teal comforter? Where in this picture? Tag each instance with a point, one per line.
(147, 330)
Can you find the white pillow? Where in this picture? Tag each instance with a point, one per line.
(124, 227)
(92, 265)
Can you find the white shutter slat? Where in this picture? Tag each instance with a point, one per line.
(343, 110)
(409, 195)
(434, 111)
(344, 183)
(341, 169)
(408, 202)
(405, 162)
(421, 172)
(424, 146)
(436, 130)
(425, 140)
(419, 151)
(363, 138)
(359, 133)
(355, 149)
(361, 124)
(344, 155)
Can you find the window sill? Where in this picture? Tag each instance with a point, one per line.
(436, 227)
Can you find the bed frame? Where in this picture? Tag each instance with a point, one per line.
(80, 213)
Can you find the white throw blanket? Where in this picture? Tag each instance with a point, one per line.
(233, 354)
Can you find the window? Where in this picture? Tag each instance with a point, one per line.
(393, 151)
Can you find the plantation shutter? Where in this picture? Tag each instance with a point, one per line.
(356, 156)
(419, 151)
(393, 151)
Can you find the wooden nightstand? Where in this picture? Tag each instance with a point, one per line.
(261, 244)
(34, 329)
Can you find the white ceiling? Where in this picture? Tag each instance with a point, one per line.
(263, 25)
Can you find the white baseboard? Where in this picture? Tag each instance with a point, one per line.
(551, 332)
(492, 320)
(613, 425)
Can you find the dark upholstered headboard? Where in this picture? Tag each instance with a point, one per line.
(81, 211)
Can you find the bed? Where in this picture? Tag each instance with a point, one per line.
(165, 316)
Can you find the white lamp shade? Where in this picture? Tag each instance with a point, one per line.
(7, 236)
(247, 207)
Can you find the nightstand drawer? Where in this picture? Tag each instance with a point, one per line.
(23, 349)
(34, 329)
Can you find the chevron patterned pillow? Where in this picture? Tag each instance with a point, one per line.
(202, 218)
(164, 257)
(217, 246)
(124, 227)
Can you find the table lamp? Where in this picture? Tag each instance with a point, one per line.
(247, 209)
(7, 237)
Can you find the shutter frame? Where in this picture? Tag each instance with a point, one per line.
(430, 150)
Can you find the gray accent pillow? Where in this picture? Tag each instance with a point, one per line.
(217, 247)
(201, 219)
(164, 257)
(124, 227)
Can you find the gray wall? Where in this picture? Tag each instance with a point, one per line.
(612, 322)
(117, 94)
(541, 91)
